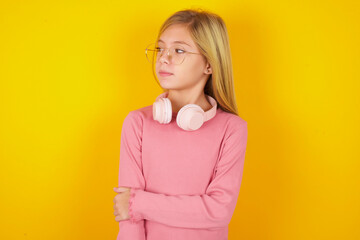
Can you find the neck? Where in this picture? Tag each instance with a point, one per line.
(180, 98)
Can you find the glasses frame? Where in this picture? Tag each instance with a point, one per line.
(168, 50)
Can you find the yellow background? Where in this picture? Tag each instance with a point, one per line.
(70, 72)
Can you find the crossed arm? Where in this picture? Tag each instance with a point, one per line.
(213, 209)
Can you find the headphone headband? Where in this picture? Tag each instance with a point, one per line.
(209, 114)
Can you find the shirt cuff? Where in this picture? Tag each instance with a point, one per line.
(134, 214)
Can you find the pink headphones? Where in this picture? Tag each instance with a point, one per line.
(190, 117)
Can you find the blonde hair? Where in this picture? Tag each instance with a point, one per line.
(209, 33)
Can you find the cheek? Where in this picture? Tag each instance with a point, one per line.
(193, 70)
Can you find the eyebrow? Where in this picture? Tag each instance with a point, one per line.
(181, 42)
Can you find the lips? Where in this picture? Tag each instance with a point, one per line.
(164, 72)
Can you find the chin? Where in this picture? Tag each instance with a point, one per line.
(165, 81)
(165, 85)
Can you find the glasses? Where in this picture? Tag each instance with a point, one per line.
(176, 55)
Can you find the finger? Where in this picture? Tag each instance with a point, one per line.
(121, 189)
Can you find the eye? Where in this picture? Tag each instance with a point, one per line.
(176, 50)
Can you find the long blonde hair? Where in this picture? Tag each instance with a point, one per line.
(210, 35)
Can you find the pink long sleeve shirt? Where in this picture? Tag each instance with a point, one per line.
(184, 184)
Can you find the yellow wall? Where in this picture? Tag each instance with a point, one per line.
(70, 71)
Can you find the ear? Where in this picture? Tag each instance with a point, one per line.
(208, 69)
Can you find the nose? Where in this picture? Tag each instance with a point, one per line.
(162, 57)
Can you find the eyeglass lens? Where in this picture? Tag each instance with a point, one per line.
(174, 54)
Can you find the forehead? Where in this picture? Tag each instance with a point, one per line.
(176, 34)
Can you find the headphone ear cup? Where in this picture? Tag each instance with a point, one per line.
(162, 111)
(168, 110)
(190, 117)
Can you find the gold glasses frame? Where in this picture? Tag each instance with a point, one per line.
(168, 51)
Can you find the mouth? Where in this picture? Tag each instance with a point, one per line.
(165, 74)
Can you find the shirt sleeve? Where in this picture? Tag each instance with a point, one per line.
(214, 208)
(130, 173)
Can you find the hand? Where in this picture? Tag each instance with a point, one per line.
(121, 203)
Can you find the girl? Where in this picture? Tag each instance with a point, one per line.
(182, 158)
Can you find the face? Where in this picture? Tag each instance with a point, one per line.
(194, 70)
